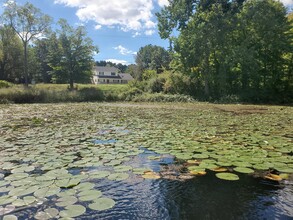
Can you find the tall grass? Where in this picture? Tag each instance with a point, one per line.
(53, 93)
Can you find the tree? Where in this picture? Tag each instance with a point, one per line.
(10, 55)
(28, 22)
(71, 55)
(230, 44)
(152, 57)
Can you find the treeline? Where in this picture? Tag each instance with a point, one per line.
(31, 52)
(226, 50)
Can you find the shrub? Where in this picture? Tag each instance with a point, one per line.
(159, 97)
(130, 94)
(5, 84)
(91, 94)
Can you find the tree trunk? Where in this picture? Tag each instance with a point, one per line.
(71, 83)
(25, 64)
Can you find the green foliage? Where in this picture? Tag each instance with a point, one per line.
(27, 22)
(160, 97)
(71, 55)
(230, 49)
(55, 94)
(130, 94)
(11, 51)
(152, 57)
(5, 84)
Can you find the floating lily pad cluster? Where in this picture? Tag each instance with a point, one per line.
(60, 159)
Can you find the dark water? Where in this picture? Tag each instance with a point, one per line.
(203, 197)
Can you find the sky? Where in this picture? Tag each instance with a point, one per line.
(118, 27)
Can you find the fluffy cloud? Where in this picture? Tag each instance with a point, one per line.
(124, 51)
(129, 15)
(124, 62)
(163, 3)
(287, 2)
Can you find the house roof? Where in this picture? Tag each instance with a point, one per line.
(106, 69)
(108, 77)
(125, 76)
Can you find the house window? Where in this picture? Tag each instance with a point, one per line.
(101, 73)
(113, 73)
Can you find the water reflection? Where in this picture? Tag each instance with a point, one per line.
(205, 197)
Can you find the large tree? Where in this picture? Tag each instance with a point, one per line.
(230, 44)
(71, 55)
(28, 22)
(152, 57)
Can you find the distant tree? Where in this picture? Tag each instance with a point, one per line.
(132, 69)
(71, 55)
(152, 57)
(121, 67)
(28, 22)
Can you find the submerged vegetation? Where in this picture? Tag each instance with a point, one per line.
(53, 156)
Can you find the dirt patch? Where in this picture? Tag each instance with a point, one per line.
(243, 110)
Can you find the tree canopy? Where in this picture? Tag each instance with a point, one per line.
(71, 55)
(28, 22)
(233, 47)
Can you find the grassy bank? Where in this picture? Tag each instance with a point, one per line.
(56, 93)
(53, 93)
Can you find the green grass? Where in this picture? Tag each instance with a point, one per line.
(54, 93)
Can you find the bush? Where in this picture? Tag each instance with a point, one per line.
(130, 94)
(91, 94)
(159, 97)
(5, 84)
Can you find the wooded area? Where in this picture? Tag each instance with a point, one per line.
(238, 50)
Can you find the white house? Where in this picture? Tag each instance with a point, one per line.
(110, 75)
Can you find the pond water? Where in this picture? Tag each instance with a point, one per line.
(145, 162)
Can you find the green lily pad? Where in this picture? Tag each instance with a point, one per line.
(243, 170)
(47, 214)
(72, 211)
(227, 176)
(99, 174)
(66, 201)
(10, 217)
(102, 204)
(122, 168)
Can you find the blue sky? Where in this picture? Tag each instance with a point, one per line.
(118, 27)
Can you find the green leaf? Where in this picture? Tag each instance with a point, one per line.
(72, 211)
(227, 176)
(102, 204)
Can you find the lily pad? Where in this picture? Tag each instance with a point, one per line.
(227, 176)
(243, 170)
(72, 211)
(10, 217)
(102, 204)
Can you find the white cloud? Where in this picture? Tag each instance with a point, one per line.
(128, 15)
(149, 32)
(124, 62)
(287, 2)
(124, 51)
(163, 3)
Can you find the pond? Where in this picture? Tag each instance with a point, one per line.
(146, 161)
